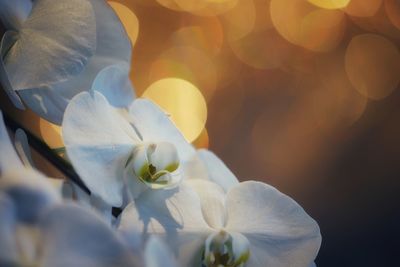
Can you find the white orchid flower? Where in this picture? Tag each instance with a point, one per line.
(140, 149)
(36, 229)
(53, 51)
(62, 235)
(153, 253)
(250, 224)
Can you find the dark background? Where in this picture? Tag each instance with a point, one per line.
(345, 172)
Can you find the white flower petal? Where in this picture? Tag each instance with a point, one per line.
(98, 142)
(280, 232)
(45, 103)
(217, 170)
(8, 246)
(13, 13)
(212, 198)
(54, 43)
(107, 70)
(30, 193)
(164, 156)
(102, 208)
(154, 125)
(173, 215)
(9, 159)
(7, 41)
(113, 82)
(22, 147)
(74, 236)
(157, 254)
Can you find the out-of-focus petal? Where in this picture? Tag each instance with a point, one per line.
(212, 198)
(173, 215)
(8, 246)
(157, 254)
(45, 103)
(98, 141)
(7, 41)
(22, 147)
(9, 159)
(217, 170)
(30, 193)
(280, 232)
(13, 13)
(73, 236)
(107, 71)
(113, 82)
(55, 43)
(154, 125)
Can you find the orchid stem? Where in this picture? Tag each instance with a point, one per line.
(45, 151)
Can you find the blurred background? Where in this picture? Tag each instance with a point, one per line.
(300, 94)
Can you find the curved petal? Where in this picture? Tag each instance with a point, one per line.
(30, 193)
(154, 125)
(45, 103)
(73, 236)
(217, 170)
(60, 37)
(22, 147)
(173, 215)
(280, 232)
(9, 159)
(107, 71)
(98, 142)
(14, 13)
(157, 254)
(113, 82)
(8, 245)
(7, 41)
(212, 198)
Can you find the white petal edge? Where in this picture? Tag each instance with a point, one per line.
(172, 215)
(74, 236)
(212, 198)
(154, 125)
(55, 43)
(280, 232)
(98, 141)
(218, 172)
(157, 254)
(113, 82)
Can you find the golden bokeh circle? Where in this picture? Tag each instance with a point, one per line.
(128, 19)
(373, 65)
(183, 101)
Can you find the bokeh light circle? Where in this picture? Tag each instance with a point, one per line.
(373, 65)
(330, 4)
(305, 25)
(51, 134)
(183, 101)
(363, 8)
(128, 19)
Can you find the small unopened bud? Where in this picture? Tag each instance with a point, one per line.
(225, 249)
(155, 163)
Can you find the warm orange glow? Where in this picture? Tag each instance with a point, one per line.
(373, 65)
(183, 101)
(128, 19)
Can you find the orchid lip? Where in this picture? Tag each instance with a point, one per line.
(224, 249)
(154, 164)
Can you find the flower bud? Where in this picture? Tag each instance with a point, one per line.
(225, 249)
(155, 163)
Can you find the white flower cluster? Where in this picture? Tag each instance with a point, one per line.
(69, 62)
